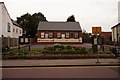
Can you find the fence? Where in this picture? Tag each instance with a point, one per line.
(9, 42)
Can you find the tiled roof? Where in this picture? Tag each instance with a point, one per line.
(15, 23)
(59, 26)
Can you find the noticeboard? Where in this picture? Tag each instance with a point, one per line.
(96, 30)
(24, 40)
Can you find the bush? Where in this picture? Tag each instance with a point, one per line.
(16, 52)
(59, 47)
(23, 52)
(5, 49)
(81, 50)
(68, 47)
(76, 48)
(34, 52)
(47, 51)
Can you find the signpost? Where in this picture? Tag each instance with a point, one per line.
(96, 31)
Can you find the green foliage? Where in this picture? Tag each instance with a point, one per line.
(62, 49)
(4, 49)
(71, 19)
(16, 52)
(76, 48)
(87, 37)
(59, 47)
(29, 22)
(68, 47)
(23, 52)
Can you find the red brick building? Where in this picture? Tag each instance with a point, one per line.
(59, 32)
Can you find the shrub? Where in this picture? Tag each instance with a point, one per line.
(81, 50)
(58, 52)
(68, 47)
(23, 52)
(5, 49)
(76, 48)
(59, 47)
(47, 51)
(35, 52)
(11, 54)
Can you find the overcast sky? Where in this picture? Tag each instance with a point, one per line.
(88, 13)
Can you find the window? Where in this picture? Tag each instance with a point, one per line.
(20, 31)
(50, 35)
(42, 35)
(16, 30)
(9, 27)
(13, 30)
(76, 35)
(58, 35)
(67, 35)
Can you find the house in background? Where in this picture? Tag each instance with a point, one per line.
(9, 29)
(116, 33)
(59, 32)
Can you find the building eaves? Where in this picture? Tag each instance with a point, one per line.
(116, 25)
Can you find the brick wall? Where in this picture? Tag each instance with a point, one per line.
(55, 33)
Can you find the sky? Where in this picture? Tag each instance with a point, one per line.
(89, 13)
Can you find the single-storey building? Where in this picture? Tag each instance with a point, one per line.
(59, 32)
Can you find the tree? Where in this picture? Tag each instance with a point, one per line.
(87, 37)
(71, 19)
(29, 23)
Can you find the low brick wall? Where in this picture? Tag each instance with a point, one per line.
(59, 56)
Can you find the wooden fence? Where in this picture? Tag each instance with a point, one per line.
(9, 42)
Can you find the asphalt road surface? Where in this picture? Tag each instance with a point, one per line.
(62, 72)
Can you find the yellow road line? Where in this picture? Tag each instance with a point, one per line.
(62, 67)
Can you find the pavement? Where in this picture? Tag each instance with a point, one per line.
(59, 62)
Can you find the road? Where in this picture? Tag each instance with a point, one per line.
(62, 72)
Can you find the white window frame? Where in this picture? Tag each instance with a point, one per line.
(58, 35)
(42, 35)
(76, 35)
(67, 35)
(50, 35)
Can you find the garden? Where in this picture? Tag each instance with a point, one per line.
(54, 52)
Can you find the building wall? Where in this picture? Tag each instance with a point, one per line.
(116, 33)
(54, 39)
(119, 12)
(5, 21)
(16, 32)
(0, 20)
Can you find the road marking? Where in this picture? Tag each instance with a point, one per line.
(62, 67)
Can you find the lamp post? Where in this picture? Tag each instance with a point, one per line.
(29, 42)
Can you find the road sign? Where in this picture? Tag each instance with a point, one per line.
(96, 30)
